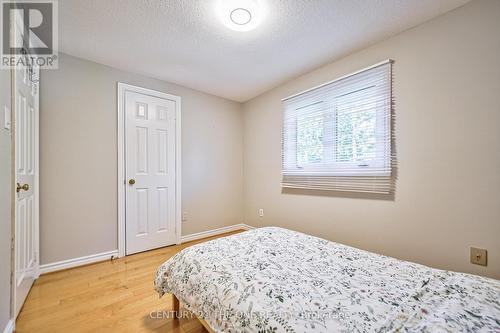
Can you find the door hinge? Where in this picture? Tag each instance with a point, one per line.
(12, 244)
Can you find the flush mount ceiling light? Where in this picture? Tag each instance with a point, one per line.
(240, 15)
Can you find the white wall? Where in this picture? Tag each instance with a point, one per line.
(5, 201)
(78, 149)
(447, 95)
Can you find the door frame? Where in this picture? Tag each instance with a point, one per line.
(122, 88)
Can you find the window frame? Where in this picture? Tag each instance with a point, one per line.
(335, 167)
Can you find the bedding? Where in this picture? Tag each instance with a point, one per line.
(278, 280)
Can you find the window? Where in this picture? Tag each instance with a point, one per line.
(338, 136)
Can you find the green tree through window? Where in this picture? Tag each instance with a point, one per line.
(355, 131)
(309, 139)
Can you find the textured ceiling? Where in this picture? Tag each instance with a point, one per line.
(182, 41)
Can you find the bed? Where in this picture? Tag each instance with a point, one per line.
(278, 280)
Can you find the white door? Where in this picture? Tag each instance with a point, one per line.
(26, 180)
(150, 155)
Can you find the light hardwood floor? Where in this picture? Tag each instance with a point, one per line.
(110, 296)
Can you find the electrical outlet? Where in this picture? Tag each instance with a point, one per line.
(185, 216)
(261, 212)
(478, 256)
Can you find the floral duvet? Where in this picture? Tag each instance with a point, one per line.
(277, 280)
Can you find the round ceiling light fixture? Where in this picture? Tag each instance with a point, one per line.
(240, 15)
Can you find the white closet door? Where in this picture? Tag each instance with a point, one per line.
(26, 174)
(150, 171)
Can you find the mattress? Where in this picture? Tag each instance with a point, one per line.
(278, 280)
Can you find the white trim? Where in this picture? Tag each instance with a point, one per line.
(121, 171)
(37, 177)
(122, 88)
(70, 263)
(9, 328)
(215, 232)
(340, 78)
(178, 170)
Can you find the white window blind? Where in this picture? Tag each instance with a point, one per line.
(338, 136)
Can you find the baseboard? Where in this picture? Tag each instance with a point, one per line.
(10, 327)
(215, 232)
(70, 263)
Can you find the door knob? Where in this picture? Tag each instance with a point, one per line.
(131, 181)
(24, 187)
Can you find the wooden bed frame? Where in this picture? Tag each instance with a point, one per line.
(176, 307)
